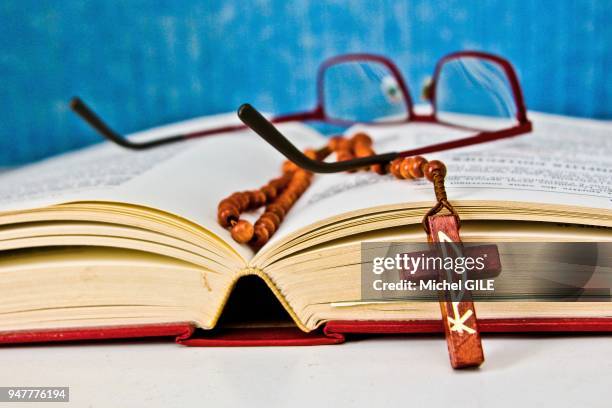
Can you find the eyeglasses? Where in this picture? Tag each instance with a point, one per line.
(470, 90)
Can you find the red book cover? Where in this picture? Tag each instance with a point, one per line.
(333, 332)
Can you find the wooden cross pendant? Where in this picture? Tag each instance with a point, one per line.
(458, 317)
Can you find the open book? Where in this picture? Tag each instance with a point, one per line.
(110, 237)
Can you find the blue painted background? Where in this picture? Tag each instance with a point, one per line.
(143, 63)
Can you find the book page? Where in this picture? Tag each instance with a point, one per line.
(563, 161)
(187, 178)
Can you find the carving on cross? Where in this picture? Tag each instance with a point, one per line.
(457, 322)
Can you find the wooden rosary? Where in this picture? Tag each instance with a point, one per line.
(280, 194)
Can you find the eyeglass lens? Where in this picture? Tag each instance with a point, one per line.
(471, 92)
(363, 91)
(475, 93)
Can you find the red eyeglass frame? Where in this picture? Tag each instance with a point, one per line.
(319, 114)
(523, 124)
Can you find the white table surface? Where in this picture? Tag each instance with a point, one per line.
(411, 371)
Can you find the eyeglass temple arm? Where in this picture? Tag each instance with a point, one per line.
(264, 128)
(89, 116)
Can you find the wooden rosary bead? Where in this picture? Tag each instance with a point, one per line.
(362, 150)
(300, 175)
(311, 154)
(289, 166)
(333, 143)
(394, 168)
(227, 202)
(245, 196)
(257, 198)
(433, 167)
(283, 197)
(302, 182)
(230, 205)
(296, 191)
(343, 155)
(242, 231)
(277, 210)
(273, 217)
(418, 163)
(289, 191)
(235, 197)
(362, 146)
(270, 192)
(267, 223)
(242, 199)
(260, 237)
(277, 184)
(280, 182)
(405, 167)
(301, 178)
(361, 139)
(285, 202)
(338, 143)
(227, 215)
(345, 144)
(291, 196)
(378, 169)
(300, 187)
